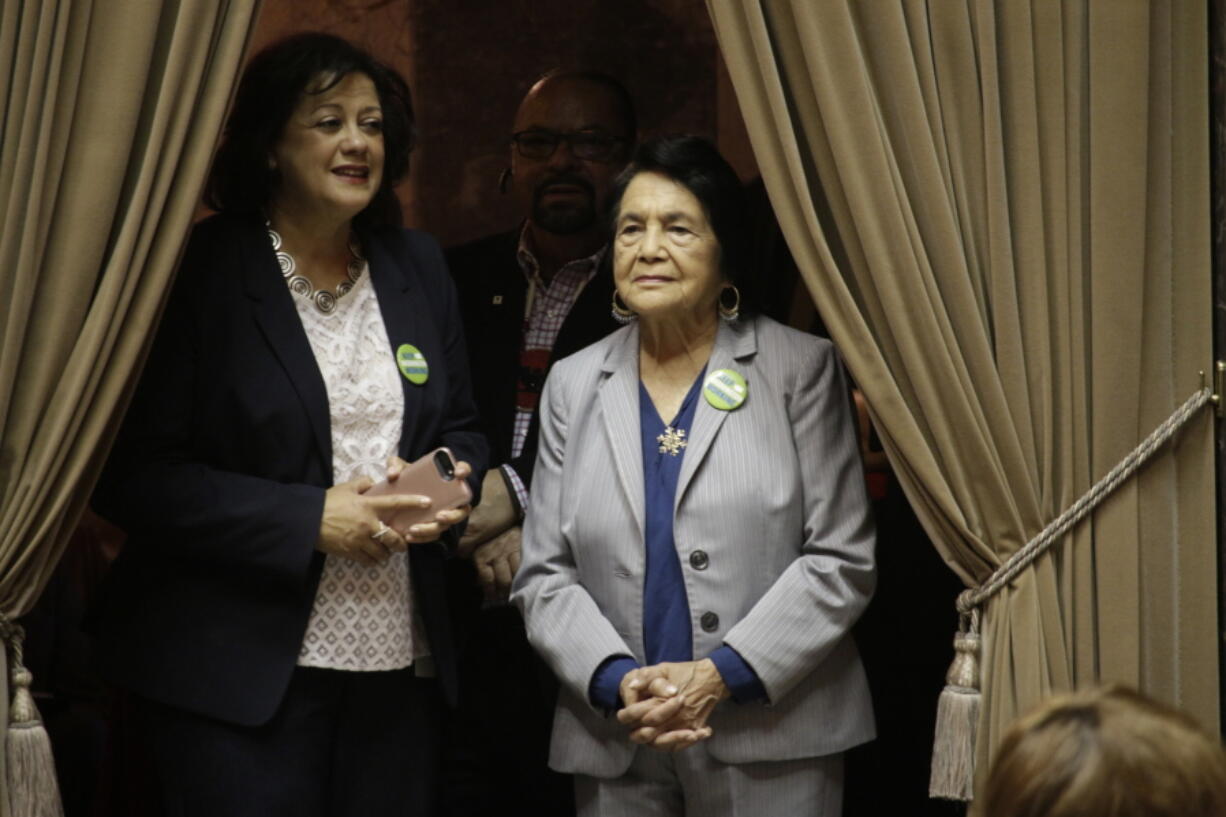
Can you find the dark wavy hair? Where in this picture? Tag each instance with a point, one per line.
(697, 165)
(309, 63)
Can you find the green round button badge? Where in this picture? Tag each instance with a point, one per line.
(412, 364)
(725, 389)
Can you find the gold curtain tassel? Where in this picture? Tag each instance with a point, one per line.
(30, 774)
(953, 748)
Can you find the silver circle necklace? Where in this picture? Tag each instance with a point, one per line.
(324, 299)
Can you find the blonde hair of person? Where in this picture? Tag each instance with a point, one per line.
(1108, 752)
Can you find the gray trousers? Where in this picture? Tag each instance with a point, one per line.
(691, 783)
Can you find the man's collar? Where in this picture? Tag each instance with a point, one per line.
(532, 268)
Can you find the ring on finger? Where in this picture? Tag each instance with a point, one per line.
(378, 535)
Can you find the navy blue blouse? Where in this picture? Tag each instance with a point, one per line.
(667, 626)
(666, 610)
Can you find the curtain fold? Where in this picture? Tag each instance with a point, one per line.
(110, 112)
(1001, 210)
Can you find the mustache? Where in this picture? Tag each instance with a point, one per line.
(564, 179)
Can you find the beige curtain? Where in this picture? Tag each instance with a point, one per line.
(1002, 211)
(110, 111)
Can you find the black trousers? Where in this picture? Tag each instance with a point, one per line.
(342, 744)
(498, 751)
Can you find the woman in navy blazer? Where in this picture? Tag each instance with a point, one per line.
(288, 648)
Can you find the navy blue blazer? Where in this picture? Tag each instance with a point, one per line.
(219, 473)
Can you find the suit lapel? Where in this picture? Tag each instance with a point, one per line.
(498, 363)
(274, 311)
(619, 410)
(734, 344)
(406, 319)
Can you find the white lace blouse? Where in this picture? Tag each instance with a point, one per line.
(363, 618)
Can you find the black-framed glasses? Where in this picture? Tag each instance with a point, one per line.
(584, 144)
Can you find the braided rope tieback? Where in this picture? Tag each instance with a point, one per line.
(971, 599)
(953, 761)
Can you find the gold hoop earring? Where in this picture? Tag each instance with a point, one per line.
(622, 313)
(729, 314)
(504, 181)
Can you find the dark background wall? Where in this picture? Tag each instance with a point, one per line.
(469, 62)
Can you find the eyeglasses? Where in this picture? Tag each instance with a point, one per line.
(592, 145)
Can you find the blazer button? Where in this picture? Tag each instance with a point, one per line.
(709, 622)
(699, 560)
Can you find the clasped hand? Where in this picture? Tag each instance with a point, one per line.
(492, 538)
(667, 704)
(352, 526)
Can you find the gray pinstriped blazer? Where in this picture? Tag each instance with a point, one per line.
(773, 492)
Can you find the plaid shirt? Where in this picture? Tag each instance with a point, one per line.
(548, 306)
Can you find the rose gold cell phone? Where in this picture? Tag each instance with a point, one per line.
(434, 476)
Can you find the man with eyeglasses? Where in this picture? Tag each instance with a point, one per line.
(529, 297)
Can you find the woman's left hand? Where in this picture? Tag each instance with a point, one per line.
(667, 704)
(431, 531)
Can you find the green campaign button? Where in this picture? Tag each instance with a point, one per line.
(412, 364)
(725, 389)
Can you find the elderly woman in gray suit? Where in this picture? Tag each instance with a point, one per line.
(699, 542)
